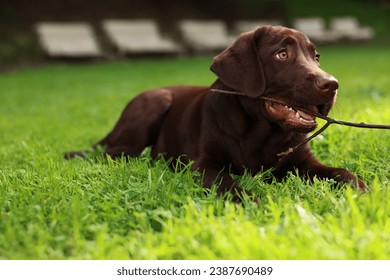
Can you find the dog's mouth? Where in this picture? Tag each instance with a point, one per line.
(302, 119)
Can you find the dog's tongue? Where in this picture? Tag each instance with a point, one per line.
(306, 115)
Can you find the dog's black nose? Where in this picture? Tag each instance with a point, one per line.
(328, 84)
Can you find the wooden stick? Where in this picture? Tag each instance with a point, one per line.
(328, 120)
(290, 150)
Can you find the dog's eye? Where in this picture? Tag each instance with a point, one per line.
(282, 55)
(317, 57)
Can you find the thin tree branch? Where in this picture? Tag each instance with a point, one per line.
(292, 149)
(328, 120)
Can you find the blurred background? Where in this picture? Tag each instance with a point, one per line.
(19, 44)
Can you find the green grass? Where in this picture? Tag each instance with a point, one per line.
(51, 208)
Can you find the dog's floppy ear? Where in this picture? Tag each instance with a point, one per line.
(239, 66)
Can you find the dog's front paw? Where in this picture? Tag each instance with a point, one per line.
(75, 154)
(344, 176)
(238, 195)
(244, 195)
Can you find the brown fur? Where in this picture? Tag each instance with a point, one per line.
(225, 133)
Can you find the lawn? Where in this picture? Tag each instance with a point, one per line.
(51, 208)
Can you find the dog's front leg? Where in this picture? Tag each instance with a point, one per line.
(313, 168)
(216, 174)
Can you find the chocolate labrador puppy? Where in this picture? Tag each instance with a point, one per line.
(230, 133)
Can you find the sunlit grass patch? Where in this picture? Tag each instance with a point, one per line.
(99, 208)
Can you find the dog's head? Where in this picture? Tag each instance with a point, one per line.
(282, 64)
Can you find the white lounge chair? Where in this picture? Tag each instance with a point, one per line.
(349, 28)
(315, 29)
(138, 37)
(204, 36)
(67, 39)
(247, 25)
